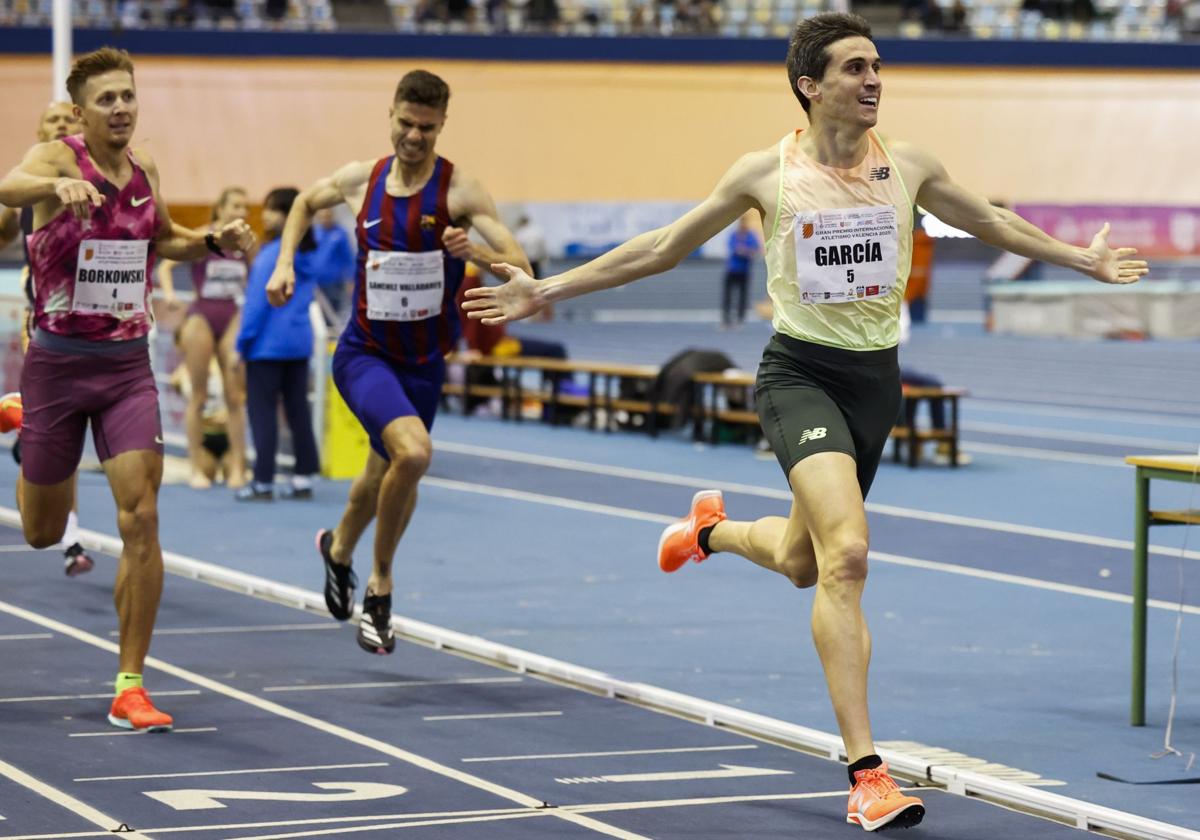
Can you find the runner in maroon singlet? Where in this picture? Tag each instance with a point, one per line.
(98, 223)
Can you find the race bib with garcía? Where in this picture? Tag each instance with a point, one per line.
(110, 277)
(404, 286)
(223, 280)
(846, 255)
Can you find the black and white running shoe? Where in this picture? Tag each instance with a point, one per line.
(340, 581)
(76, 561)
(375, 625)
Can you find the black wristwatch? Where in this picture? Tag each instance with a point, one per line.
(210, 242)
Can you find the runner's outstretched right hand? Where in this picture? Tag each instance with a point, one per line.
(519, 297)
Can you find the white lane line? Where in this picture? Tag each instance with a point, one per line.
(664, 751)
(1076, 437)
(396, 684)
(326, 727)
(1021, 580)
(727, 771)
(556, 501)
(496, 716)
(116, 732)
(362, 829)
(1181, 422)
(22, 637)
(436, 815)
(261, 628)
(1038, 454)
(6, 549)
(231, 772)
(766, 493)
(601, 808)
(101, 696)
(604, 807)
(65, 800)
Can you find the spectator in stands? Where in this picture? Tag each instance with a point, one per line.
(745, 246)
(542, 14)
(275, 10)
(276, 344)
(333, 260)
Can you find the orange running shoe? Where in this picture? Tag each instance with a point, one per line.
(132, 709)
(11, 412)
(679, 543)
(876, 801)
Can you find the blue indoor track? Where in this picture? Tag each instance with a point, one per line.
(998, 601)
(283, 729)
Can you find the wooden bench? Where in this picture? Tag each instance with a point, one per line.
(910, 432)
(718, 398)
(711, 386)
(603, 387)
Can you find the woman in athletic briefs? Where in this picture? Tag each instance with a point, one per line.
(210, 328)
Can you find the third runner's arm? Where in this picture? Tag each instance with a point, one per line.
(343, 185)
(644, 255)
(962, 209)
(479, 210)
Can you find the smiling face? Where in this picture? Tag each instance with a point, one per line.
(850, 91)
(415, 129)
(108, 109)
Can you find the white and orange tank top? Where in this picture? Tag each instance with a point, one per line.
(840, 249)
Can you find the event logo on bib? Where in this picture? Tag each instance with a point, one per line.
(847, 254)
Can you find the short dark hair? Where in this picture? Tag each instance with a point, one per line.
(95, 63)
(421, 87)
(808, 51)
(281, 200)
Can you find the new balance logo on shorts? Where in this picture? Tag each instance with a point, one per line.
(880, 173)
(812, 434)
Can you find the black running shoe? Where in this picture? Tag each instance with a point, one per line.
(375, 626)
(340, 581)
(76, 561)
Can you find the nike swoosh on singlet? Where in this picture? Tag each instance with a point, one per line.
(138, 202)
(371, 223)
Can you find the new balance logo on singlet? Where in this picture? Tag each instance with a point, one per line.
(812, 434)
(879, 173)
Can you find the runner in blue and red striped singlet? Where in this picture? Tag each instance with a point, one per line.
(413, 210)
(98, 222)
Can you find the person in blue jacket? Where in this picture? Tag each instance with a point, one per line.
(275, 344)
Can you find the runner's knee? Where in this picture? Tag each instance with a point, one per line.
(845, 561)
(38, 535)
(413, 459)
